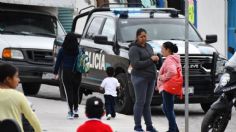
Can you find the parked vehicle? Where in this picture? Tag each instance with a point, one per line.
(27, 34)
(218, 116)
(108, 33)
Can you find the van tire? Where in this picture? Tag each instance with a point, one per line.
(124, 103)
(31, 88)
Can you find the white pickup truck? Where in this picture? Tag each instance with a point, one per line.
(27, 34)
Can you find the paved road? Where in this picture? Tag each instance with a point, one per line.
(52, 114)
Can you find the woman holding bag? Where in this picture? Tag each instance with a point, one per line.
(170, 73)
(70, 79)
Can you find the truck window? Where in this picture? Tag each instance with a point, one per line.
(27, 23)
(109, 29)
(157, 29)
(95, 27)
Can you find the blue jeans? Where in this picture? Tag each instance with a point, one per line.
(168, 109)
(110, 105)
(143, 89)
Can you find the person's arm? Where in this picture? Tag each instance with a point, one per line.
(171, 70)
(58, 62)
(117, 84)
(135, 61)
(102, 85)
(29, 114)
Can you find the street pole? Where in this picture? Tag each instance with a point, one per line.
(186, 68)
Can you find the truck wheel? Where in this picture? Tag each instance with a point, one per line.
(205, 106)
(124, 103)
(30, 88)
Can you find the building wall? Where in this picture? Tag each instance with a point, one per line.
(211, 20)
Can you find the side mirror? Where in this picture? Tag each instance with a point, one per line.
(211, 39)
(100, 39)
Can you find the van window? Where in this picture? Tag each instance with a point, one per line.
(27, 23)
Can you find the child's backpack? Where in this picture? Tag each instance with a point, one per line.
(82, 64)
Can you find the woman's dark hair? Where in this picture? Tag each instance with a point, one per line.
(70, 44)
(7, 70)
(110, 71)
(94, 108)
(172, 47)
(139, 31)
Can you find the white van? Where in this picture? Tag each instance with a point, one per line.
(27, 34)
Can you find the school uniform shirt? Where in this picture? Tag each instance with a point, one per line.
(13, 104)
(94, 125)
(110, 85)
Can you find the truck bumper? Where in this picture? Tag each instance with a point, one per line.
(34, 73)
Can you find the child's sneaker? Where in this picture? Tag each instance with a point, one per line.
(76, 113)
(108, 117)
(70, 115)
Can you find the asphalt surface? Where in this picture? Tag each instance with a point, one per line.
(51, 112)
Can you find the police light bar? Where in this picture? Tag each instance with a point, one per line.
(128, 10)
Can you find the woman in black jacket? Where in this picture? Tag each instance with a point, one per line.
(71, 80)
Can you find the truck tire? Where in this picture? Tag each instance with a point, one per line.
(124, 103)
(31, 88)
(205, 106)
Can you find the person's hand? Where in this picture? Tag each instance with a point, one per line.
(155, 58)
(56, 76)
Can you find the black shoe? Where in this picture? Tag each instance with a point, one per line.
(152, 129)
(76, 113)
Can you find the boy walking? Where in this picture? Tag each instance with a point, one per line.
(110, 84)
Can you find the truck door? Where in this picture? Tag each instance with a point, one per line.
(100, 54)
(231, 25)
(93, 50)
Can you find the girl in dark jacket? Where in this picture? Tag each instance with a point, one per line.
(70, 80)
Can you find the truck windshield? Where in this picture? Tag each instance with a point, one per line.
(27, 24)
(157, 29)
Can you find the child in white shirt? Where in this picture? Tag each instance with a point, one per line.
(110, 84)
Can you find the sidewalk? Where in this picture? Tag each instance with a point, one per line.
(52, 115)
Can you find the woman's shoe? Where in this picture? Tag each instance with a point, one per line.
(76, 113)
(153, 130)
(70, 115)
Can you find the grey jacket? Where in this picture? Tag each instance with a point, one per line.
(140, 59)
